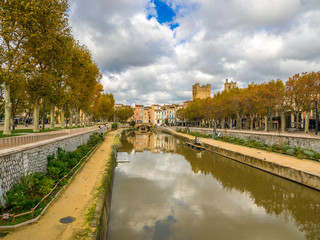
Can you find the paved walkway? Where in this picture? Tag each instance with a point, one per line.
(261, 132)
(75, 201)
(23, 140)
(305, 165)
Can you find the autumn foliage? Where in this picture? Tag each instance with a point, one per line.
(257, 104)
(41, 62)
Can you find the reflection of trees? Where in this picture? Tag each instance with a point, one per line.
(276, 195)
(127, 141)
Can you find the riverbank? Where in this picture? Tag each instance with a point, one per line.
(302, 171)
(78, 201)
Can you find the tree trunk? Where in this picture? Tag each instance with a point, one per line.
(71, 118)
(77, 117)
(283, 122)
(89, 118)
(230, 123)
(306, 125)
(266, 123)
(8, 110)
(297, 120)
(247, 122)
(238, 122)
(36, 112)
(62, 118)
(251, 123)
(81, 118)
(52, 120)
(222, 123)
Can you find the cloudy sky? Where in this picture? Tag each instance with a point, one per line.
(153, 51)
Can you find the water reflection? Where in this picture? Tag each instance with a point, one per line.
(183, 195)
(155, 143)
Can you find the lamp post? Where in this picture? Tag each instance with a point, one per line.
(317, 118)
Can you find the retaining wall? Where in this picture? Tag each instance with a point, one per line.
(31, 158)
(270, 139)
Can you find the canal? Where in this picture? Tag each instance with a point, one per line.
(167, 190)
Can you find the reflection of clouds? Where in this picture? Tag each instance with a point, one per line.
(162, 168)
(161, 229)
(157, 196)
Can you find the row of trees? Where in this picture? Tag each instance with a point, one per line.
(42, 62)
(273, 98)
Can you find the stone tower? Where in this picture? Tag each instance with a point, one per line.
(229, 85)
(201, 92)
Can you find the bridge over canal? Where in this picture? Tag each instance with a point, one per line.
(143, 127)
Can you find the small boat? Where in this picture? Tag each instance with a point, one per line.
(196, 146)
(196, 143)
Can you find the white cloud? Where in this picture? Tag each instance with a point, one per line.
(145, 62)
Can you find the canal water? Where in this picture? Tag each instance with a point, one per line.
(167, 190)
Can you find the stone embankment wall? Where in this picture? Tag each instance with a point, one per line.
(31, 158)
(270, 139)
(296, 175)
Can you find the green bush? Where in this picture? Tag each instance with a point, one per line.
(45, 186)
(94, 139)
(316, 156)
(291, 151)
(308, 152)
(53, 172)
(114, 125)
(15, 197)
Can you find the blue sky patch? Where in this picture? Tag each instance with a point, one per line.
(165, 14)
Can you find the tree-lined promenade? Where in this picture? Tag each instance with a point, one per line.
(41, 63)
(299, 94)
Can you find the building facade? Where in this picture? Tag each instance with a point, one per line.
(141, 114)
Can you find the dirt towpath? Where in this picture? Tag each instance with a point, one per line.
(75, 201)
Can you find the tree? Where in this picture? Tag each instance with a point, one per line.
(83, 78)
(292, 96)
(132, 123)
(250, 104)
(49, 23)
(123, 114)
(104, 108)
(15, 18)
(193, 111)
(307, 90)
(180, 114)
(269, 97)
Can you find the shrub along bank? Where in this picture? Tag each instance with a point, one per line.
(283, 148)
(32, 188)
